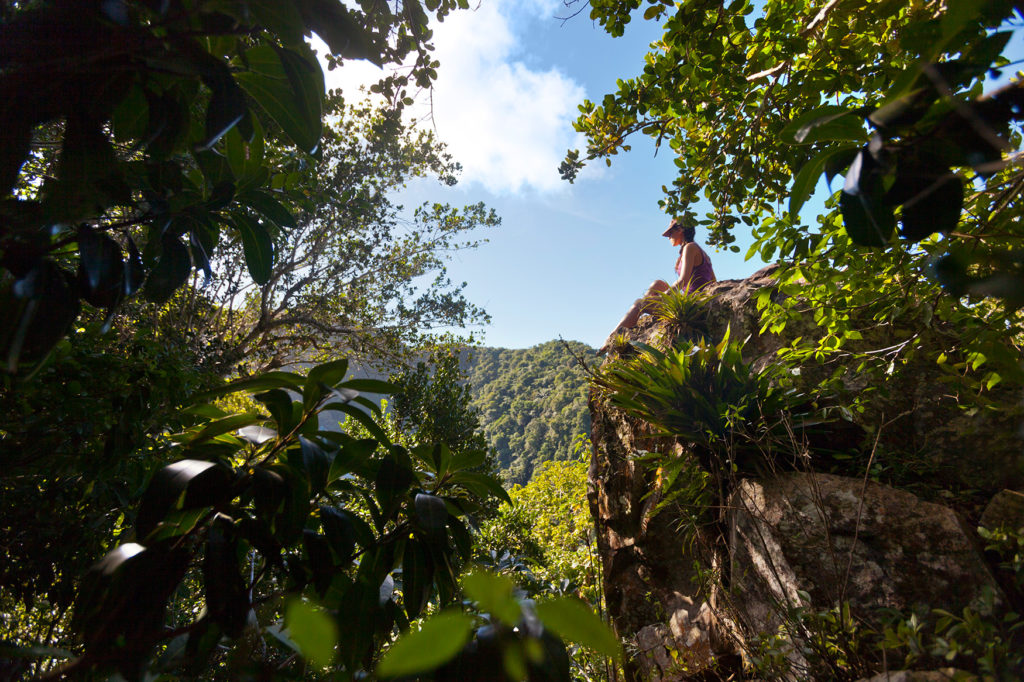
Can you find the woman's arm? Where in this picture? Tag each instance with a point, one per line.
(691, 252)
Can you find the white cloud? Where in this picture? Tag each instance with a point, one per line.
(508, 124)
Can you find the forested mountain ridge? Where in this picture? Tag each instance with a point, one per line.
(532, 402)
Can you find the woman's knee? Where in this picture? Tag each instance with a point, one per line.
(658, 286)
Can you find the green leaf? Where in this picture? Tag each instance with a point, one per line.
(221, 426)
(131, 116)
(369, 386)
(313, 631)
(340, 532)
(438, 640)
(468, 460)
(494, 594)
(354, 456)
(824, 123)
(482, 484)
(270, 208)
(316, 463)
(261, 382)
(417, 576)
(280, 18)
(274, 89)
(186, 484)
(574, 621)
(170, 272)
(807, 179)
(431, 512)
(257, 246)
(279, 404)
(362, 417)
(329, 373)
(101, 267)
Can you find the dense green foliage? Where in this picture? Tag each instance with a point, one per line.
(532, 403)
(180, 126)
(168, 147)
(79, 443)
(545, 540)
(352, 275)
(758, 100)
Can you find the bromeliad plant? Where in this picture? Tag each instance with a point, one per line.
(685, 311)
(271, 528)
(701, 393)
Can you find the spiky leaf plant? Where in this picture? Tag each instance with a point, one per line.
(702, 393)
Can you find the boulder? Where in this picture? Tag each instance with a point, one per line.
(1005, 509)
(816, 541)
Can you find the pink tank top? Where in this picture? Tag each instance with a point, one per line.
(703, 274)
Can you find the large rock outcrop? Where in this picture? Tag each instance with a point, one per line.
(688, 601)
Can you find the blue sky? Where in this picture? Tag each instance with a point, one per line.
(568, 260)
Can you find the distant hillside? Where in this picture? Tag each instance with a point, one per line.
(532, 402)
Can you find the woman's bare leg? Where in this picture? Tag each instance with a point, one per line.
(657, 288)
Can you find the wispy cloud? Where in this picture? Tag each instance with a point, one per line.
(507, 123)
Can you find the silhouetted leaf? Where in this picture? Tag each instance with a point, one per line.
(87, 178)
(270, 86)
(182, 485)
(101, 268)
(935, 208)
(226, 108)
(134, 271)
(271, 209)
(341, 534)
(340, 29)
(170, 272)
(39, 309)
(461, 538)
(257, 247)
(393, 479)
(868, 219)
(417, 577)
(431, 512)
(280, 18)
(318, 553)
(227, 599)
(316, 463)
(130, 119)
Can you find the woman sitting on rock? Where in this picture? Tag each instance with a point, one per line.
(693, 268)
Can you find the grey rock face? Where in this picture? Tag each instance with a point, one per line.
(817, 541)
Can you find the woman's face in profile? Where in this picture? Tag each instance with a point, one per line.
(676, 237)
